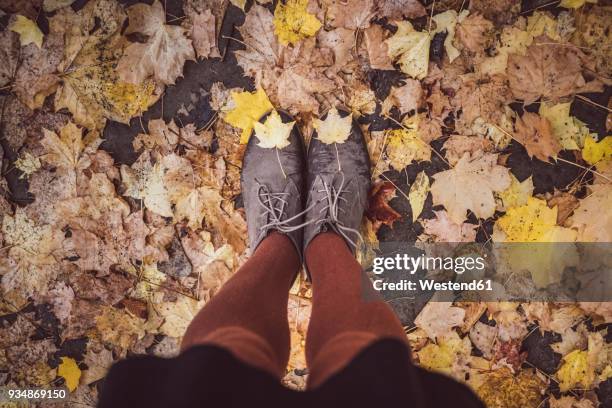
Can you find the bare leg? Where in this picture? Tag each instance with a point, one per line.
(342, 322)
(249, 315)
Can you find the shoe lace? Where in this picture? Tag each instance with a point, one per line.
(274, 204)
(333, 198)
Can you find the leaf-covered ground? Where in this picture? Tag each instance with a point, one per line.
(122, 132)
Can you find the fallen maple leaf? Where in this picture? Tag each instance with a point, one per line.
(28, 31)
(438, 318)
(203, 33)
(457, 145)
(397, 9)
(334, 128)
(351, 14)
(155, 57)
(597, 152)
(517, 194)
(534, 132)
(501, 388)
(246, 109)
(535, 222)
(470, 186)
(443, 356)
(71, 373)
(446, 22)
(36, 75)
(92, 90)
(273, 133)
(292, 22)
(411, 49)
(419, 190)
(569, 131)
(589, 208)
(296, 86)
(406, 98)
(445, 230)
(475, 32)
(548, 70)
(263, 50)
(377, 48)
(379, 211)
(405, 145)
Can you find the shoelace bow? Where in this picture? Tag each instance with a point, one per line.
(275, 203)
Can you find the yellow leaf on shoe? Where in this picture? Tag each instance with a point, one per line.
(292, 22)
(28, 31)
(71, 372)
(595, 152)
(247, 108)
(418, 194)
(334, 129)
(411, 50)
(273, 133)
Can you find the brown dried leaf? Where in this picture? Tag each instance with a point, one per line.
(376, 48)
(548, 70)
(379, 211)
(475, 33)
(534, 132)
(397, 9)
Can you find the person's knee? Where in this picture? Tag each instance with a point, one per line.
(335, 354)
(247, 346)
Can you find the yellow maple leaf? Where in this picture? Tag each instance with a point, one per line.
(446, 22)
(247, 108)
(574, 4)
(411, 49)
(540, 23)
(441, 357)
(517, 194)
(28, 164)
(28, 31)
(64, 150)
(575, 371)
(292, 22)
(418, 194)
(70, 371)
(570, 132)
(595, 152)
(334, 129)
(533, 223)
(404, 145)
(273, 133)
(501, 388)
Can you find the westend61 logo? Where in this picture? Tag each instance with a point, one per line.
(404, 263)
(411, 264)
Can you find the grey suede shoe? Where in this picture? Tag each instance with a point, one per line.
(338, 185)
(272, 183)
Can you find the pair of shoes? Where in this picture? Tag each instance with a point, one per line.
(303, 195)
